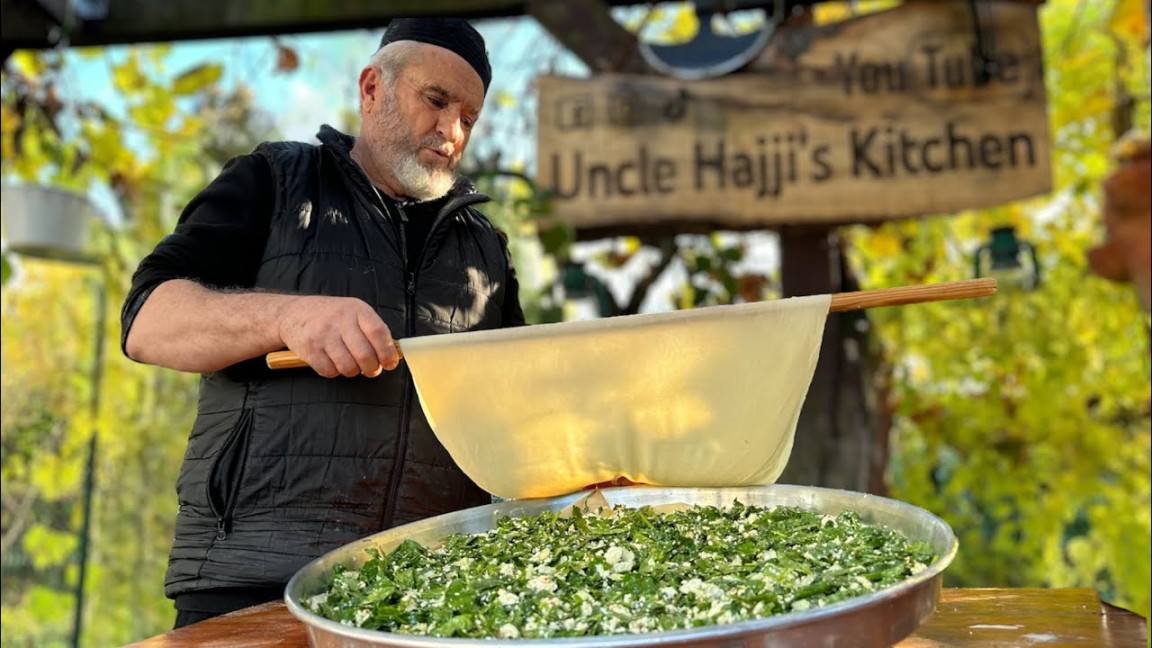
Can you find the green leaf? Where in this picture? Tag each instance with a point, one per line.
(47, 546)
(557, 238)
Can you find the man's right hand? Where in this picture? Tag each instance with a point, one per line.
(186, 326)
(338, 336)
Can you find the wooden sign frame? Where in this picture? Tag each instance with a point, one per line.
(877, 117)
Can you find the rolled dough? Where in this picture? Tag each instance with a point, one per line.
(700, 398)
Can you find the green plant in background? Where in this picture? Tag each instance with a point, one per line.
(516, 209)
(1023, 419)
(164, 139)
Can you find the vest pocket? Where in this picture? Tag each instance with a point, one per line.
(227, 473)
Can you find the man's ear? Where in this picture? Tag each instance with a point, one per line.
(371, 89)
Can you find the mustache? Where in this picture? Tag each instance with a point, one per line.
(437, 143)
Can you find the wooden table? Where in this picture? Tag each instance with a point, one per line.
(967, 618)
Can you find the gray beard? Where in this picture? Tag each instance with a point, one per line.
(421, 182)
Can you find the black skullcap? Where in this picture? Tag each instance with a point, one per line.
(453, 34)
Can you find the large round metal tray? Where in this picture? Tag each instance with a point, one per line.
(879, 618)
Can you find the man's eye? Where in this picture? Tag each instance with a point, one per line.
(467, 123)
(437, 102)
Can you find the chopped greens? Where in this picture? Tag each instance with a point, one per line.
(623, 571)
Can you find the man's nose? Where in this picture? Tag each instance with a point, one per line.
(450, 127)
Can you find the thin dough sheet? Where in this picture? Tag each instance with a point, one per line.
(701, 398)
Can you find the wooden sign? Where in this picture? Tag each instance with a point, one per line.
(877, 117)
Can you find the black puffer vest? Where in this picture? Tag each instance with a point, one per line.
(282, 467)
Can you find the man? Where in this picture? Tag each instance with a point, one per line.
(333, 251)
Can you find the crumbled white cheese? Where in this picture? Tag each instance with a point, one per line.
(621, 559)
(544, 583)
(362, 615)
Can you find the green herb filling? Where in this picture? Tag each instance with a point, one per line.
(626, 571)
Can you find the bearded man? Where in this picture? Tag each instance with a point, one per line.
(333, 251)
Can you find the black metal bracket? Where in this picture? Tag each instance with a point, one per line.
(984, 46)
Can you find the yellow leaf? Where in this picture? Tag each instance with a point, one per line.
(88, 52)
(1128, 20)
(189, 126)
(885, 244)
(687, 292)
(151, 115)
(9, 119)
(683, 26)
(505, 99)
(157, 52)
(29, 63)
(832, 12)
(127, 76)
(197, 78)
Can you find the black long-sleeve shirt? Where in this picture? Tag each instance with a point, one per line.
(220, 237)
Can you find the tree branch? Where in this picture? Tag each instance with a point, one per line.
(20, 519)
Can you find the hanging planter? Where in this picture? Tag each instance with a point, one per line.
(47, 222)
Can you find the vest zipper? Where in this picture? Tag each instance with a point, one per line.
(406, 403)
(410, 330)
(232, 495)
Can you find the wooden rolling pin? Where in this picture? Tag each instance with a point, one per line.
(841, 302)
(289, 359)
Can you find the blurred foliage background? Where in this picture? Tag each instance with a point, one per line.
(1022, 420)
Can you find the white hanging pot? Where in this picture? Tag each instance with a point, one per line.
(46, 222)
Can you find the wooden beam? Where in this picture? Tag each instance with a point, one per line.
(27, 25)
(587, 29)
(36, 24)
(32, 24)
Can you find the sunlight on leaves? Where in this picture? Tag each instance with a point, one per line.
(197, 78)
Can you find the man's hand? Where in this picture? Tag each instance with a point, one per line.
(338, 336)
(186, 326)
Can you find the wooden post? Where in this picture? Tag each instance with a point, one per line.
(842, 436)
